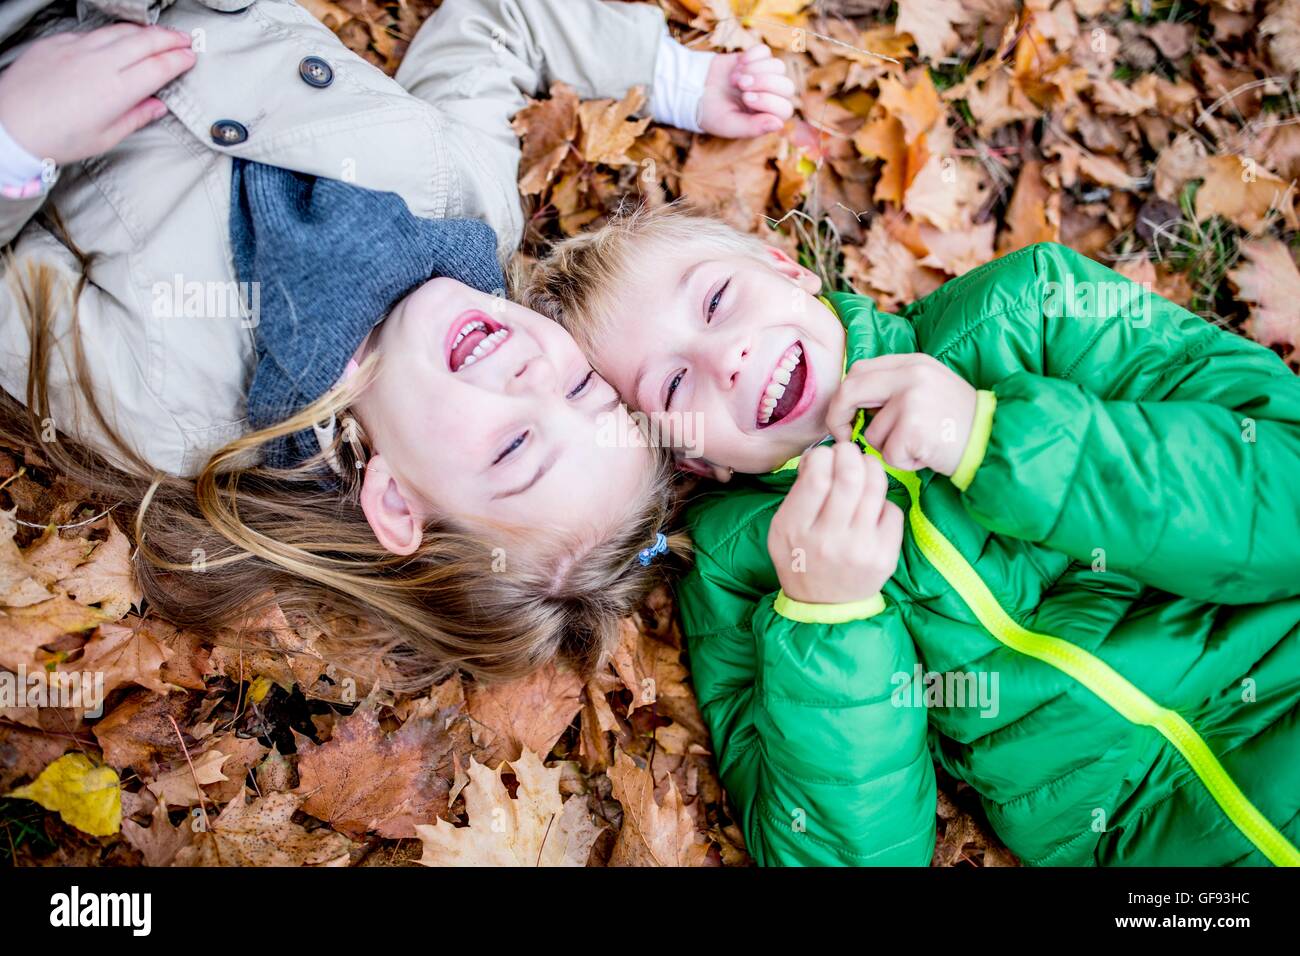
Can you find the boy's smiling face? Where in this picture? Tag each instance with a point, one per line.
(745, 345)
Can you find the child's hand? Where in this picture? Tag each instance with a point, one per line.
(926, 410)
(746, 94)
(836, 537)
(76, 95)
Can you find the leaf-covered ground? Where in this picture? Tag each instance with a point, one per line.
(1162, 138)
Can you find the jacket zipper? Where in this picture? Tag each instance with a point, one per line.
(1093, 673)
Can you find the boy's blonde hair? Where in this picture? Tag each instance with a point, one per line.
(581, 281)
(280, 536)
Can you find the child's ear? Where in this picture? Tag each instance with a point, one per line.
(703, 467)
(387, 511)
(804, 278)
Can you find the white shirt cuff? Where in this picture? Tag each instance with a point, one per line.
(679, 79)
(20, 171)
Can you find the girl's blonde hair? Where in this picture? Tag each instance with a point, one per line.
(279, 536)
(582, 280)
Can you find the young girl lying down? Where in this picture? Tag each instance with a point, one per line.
(254, 286)
(1041, 527)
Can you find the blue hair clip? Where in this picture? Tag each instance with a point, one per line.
(646, 555)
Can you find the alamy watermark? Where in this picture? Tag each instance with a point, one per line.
(957, 689)
(1120, 298)
(218, 299)
(79, 690)
(680, 431)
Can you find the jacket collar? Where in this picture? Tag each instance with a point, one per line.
(868, 332)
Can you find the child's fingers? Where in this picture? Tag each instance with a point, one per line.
(875, 487)
(862, 389)
(152, 74)
(808, 493)
(847, 484)
(899, 452)
(844, 404)
(137, 117)
(743, 125)
(148, 42)
(777, 83)
(882, 424)
(889, 527)
(769, 103)
(767, 67)
(756, 53)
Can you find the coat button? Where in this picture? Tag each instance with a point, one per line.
(316, 72)
(228, 132)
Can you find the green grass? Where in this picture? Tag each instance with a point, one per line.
(22, 824)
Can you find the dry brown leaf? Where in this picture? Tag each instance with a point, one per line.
(958, 251)
(159, 842)
(536, 828)
(181, 786)
(363, 779)
(1282, 27)
(1034, 213)
(128, 653)
(1178, 163)
(652, 835)
(1269, 280)
(606, 133)
(917, 107)
(139, 731)
(546, 129)
(946, 192)
(887, 270)
(262, 833)
(23, 630)
(1243, 193)
(21, 583)
(525, 714)
(24, 753)
(930, 23)
(732, 178)
(106, 577)
(882, 138)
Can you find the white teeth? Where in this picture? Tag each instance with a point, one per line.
(485, 347)
(471, 327)
(776, 387)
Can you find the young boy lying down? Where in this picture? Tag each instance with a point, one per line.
(1041, 527)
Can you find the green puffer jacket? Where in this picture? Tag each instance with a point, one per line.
(1116, 592)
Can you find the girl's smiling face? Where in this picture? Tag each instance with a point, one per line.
(486, 413)
(741, 344)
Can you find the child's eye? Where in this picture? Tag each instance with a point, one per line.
(581, 386)
(672, 387)
(518, 440)
(715, 302)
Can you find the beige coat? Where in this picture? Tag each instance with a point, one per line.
(171, 351)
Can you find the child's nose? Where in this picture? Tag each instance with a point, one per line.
(534, 375)
(727, 359)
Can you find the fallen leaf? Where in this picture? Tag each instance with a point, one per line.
(262, 833)
(652, 834)
(1269, 280)
(546, 129)
(1243, 193)
(530, 713)
(85, 795)
(363, 779)
(536, 828)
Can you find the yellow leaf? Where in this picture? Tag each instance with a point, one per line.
(85, 796)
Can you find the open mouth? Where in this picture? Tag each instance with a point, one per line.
(472, 339)
(785, 387)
